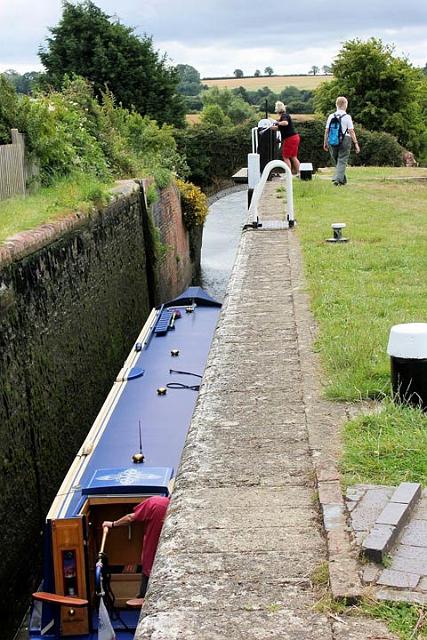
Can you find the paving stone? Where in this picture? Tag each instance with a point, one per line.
(338, 543)
(359, 537)
(370, 506)
(379, 541)
(420, 511)
(326, 471)
(397, 595)
(346, 628)
(398, 579)
(355, 492)
(266, 505)
(227, 592)
(276, 622)
(344, 578)
(394, 514)
(350, 506)
(415, 534)
(407, 493)
(370, 573)
(333, 516)
(330, 492)
(412, 559)
(247, 541)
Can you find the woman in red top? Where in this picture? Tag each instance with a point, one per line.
(290, 138)
(152, 513)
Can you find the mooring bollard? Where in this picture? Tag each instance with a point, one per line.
(305, 170)
(407, 348)
(337, 228)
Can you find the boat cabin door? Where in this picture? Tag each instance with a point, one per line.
(70, 571)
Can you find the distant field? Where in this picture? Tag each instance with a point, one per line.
(275, 83)
(194, 118)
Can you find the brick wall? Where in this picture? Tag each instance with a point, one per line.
(174, 264)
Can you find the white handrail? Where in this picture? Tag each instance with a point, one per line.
(253, 209)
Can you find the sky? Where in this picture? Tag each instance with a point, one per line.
(218, 36)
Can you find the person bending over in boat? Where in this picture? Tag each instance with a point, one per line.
(151, 513)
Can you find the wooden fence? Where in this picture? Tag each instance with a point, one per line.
(12, 167)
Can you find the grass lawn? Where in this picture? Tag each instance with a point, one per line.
(275, 83)
(358, 291)
(50, 203)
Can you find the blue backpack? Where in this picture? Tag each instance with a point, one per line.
(335, 132)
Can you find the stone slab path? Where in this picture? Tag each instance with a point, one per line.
(244, 533)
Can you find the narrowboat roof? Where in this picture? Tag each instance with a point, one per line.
(195, 295)
(172, 348)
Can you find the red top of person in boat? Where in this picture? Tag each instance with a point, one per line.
(152, 513)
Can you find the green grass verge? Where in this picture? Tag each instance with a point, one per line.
(358, 291)
(406, 620)
(76, 193)
(386, 447)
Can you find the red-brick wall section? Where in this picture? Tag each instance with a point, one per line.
(174, 267)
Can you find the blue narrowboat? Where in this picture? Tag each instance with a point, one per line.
(131, 452)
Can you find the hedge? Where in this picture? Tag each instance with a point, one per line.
(214, 152)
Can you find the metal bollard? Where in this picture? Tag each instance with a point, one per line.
(337, 228)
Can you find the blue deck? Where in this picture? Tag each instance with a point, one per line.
(164, 419)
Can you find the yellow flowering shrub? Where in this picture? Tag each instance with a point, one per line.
(194, 204)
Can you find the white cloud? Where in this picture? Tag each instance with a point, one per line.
(218, 36)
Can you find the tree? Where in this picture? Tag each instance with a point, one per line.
(23, 83)
(314, 70)
(85, 42)
(327, 69)
(257, 73)
(189, 80)
(384, 91)
(238, 73)
(268, 71)
(212, 114)
(233, 106)
(8, 109)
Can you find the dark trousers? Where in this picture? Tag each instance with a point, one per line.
(143, 586)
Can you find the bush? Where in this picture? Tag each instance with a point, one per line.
(311, 147)
(376, 149)
(69, 131)
(56, 133)
(194, 204)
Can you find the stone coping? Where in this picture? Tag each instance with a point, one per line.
(27, 242)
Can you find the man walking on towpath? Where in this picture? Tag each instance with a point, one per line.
(151, 513)
(340, 152)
